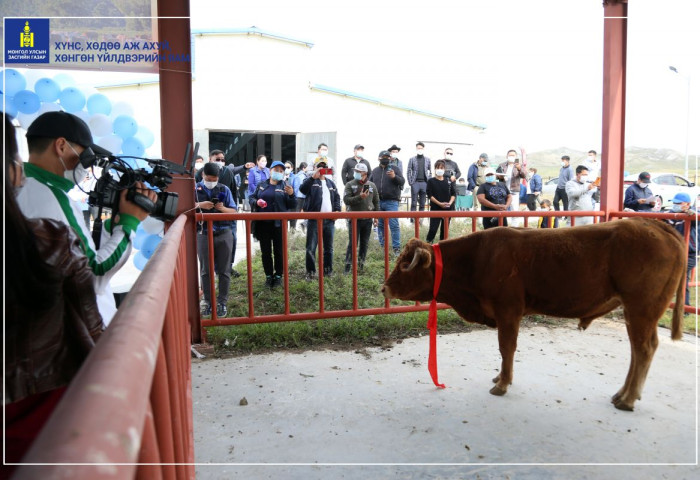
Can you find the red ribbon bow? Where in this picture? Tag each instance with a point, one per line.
(432, 319)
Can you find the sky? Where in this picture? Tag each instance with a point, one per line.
(530, 70)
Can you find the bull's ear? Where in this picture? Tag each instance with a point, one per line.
(422, 257)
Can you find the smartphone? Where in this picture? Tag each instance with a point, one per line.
(215, 201)
(325, 171)
(365, 188)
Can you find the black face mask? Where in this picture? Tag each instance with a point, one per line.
(384, 161)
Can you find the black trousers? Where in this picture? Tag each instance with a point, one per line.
(364, 230)
(270, 238)
(560, 194)
(432, 230)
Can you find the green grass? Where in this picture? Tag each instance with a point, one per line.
(349, 332)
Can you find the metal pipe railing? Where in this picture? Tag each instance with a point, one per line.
(131, 400)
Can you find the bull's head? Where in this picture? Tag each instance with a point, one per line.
(412, 278)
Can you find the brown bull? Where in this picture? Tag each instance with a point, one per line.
(495, 277)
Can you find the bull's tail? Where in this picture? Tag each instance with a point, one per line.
(677, 320)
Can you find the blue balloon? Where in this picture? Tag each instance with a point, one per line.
(133, 147)
(99, 103)
(125, 126)
(140, 236)
(47, 89)
(72, 100)
(27, 101)
(149, 245)
(140, 261)
(145, 136)
(14, 82)
(7, 104)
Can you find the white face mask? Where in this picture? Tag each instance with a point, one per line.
(584, 178)
(591, 158)
(439, 172)
(644, 185)
(393, 155)
(419, 152)
(563, 164)
(323, 153)
(511, 159)
(210, 185)
(358, 154)
(287, 170)
(198, 166)
(76, 175)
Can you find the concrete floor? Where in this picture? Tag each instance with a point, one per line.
(374, 413)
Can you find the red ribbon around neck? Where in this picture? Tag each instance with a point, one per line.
(432, 318)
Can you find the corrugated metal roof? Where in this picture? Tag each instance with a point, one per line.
(388, 103)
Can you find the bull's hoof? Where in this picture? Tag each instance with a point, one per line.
(622, 405)
(497, 390)
(496, 379)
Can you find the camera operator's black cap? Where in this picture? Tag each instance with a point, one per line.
(66, 125)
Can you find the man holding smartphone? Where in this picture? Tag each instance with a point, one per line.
(213, 196)
(361, 195)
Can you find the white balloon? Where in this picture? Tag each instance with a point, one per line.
(121, 108)
(49, 107)
(152, 225)
(100, 125)
(88, 91)
(26, 119)
(112, 142)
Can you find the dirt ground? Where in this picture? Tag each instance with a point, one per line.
(374, 413)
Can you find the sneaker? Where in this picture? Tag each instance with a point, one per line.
(234, 274)
(206, 310)
(397, 251)
(310, 276)
(328, 273)
(221, 310)
(276, 281)
(268, 281)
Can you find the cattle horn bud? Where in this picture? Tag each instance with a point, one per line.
(418, 255)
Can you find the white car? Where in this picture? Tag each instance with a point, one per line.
(550, 186)
(666, 185)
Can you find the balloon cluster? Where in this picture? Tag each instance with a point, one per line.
(112, 124)
(147, 238)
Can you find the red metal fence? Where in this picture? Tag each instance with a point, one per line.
(131, 402)
(322, 312)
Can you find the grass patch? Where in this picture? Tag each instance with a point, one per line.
(343, 333)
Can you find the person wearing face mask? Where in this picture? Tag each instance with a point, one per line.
(56, 141)
(348, 170)
(638, 196)
(593, 166)
(534, 188)
(394, 155)
(273, 195)
(452, 172)
(565, 174)
(212, 196)
(494, 196)
(258, 174)
(51, 320)
(475, 176)
(681, 204)
(580, 193)
(389, 180)
(296, 180)
(227, 176)
(322, 155)
(441, 193)
(512, 173)
(418, 174)
(198, 163)
(361, 195)
(288, 171)
(321, 196)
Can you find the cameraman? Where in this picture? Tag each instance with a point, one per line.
(56, 141)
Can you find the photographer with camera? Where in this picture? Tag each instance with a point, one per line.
(57, 141)
(212, 196)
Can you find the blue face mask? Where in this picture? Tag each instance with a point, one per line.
(490, 178)
(676, 208)
(277, 176)
(357, 176)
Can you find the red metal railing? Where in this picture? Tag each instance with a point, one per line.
(355, 311)
(128, 412)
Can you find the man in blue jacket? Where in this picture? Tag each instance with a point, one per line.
(321, 196)
(534, 188)
(638, 196)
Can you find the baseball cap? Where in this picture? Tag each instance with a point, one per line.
(319, 160)
(681, 197)
(66, 125)
(384, 153)
(361, 167)
(484, 156)
(358, 147)
(644, 176)
(489, 171)
(277, 163)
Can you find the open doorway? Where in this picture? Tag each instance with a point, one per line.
(242, 147)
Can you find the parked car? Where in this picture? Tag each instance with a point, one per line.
(550, 186)
(666, 185)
